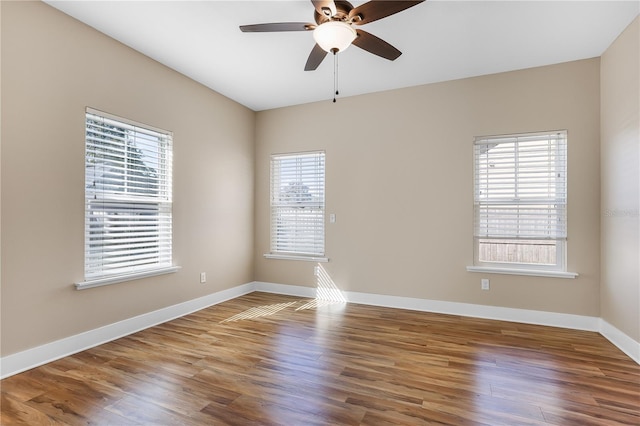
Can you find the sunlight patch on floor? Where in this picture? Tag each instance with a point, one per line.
(316, 303)
(259, 311)
(327, 294)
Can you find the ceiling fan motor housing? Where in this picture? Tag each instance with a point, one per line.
(343, 8)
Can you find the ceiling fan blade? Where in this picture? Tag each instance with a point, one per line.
(277, 26)
(376, 45)
(325, 6)
(374, 10)
(315, 58)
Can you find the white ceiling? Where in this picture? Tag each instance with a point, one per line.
(440, 40)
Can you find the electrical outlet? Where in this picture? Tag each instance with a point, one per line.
(484, 284)
(203, 277)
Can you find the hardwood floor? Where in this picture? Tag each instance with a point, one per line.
(265, 359)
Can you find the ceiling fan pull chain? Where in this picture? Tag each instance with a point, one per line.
(335, 74)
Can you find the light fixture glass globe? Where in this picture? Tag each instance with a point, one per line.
(334, 35)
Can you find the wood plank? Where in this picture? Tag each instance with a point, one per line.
(14, 412)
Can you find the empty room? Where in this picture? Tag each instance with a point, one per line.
(320, 212)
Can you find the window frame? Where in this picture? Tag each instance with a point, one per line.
(559, 268)
(313, 181)
(128, 187)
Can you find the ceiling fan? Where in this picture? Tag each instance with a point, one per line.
(334, 28)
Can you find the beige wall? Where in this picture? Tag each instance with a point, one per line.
(620, 163)
(399, 179)
(52, 67)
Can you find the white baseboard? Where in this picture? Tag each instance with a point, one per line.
(625, 343)
(30, 358)
(289, 290)
(554, 319)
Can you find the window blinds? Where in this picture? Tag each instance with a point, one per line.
(297, 203)
(521, 186)
(127, 197)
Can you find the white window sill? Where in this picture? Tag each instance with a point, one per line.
(125, 277)
(296, 257)
(527, 272)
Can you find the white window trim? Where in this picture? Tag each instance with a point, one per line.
(558, 270)
(125, 277)
(153, 270)
(289, 255)
(295, 257)
(526, 272)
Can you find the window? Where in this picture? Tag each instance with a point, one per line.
(127, 198)
(297, 205)
(520, 201)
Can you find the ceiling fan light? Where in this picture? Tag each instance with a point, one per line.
(334, 35)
